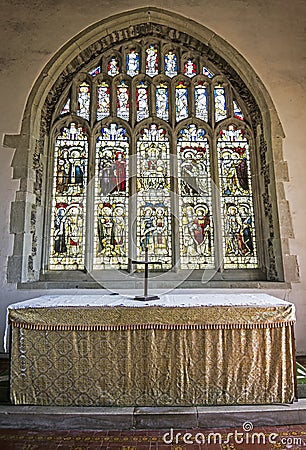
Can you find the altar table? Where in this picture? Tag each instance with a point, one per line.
(181, 350)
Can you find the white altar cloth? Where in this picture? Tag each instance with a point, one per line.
(181, 350)
(166, 300)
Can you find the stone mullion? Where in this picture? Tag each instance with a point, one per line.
(90, 204)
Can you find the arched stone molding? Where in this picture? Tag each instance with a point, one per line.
(30, 159)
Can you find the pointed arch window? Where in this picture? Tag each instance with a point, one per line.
(154, 149)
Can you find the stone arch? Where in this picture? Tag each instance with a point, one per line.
(30, 160)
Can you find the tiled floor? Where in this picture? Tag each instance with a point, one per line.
(293, 437)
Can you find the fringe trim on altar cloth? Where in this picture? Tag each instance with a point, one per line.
(149, 326)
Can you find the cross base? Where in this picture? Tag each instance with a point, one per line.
(144, 298)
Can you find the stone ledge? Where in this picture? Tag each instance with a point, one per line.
(107, 418)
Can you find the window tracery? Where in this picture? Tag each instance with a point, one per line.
(128, 99)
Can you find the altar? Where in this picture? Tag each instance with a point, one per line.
(180, 350)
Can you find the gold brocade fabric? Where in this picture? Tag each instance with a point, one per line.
(115, 318)
(182, 365)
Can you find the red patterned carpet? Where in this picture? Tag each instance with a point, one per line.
(285, 437)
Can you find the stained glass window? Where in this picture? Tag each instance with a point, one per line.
(220, 103)
(236, 199)
(201, 101)
(95, 71)
(195, 213)
(113, 67)
(69, 199)
(66, 107)
(123, 101)
(103, 101)
(84, 101)
(142, 101)
(111, 199)
(151, 61)
(162, 101)
(181, 101)
(207, 72)
(171, 69)
(132, 63)
(190, 69)
(195, 199)
(153, 195)
(237, 111)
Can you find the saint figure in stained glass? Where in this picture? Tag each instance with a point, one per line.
(151, 61)
(181, 97)
(220, 103)
(113, 67)
(123, 101)
(103, 101)
(142, 101)
(84, 101)
(238, 227)
(196, 231)
(162, 103)
(201, 104)
(132, 63)
(190, 69)
(171, 64)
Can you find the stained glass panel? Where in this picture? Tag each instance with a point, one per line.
(153, 195)
(151, 61)
(220, 103)
(111, 199)
(162, 101)
(94, 72)
(103, 101)
(153, 180)
(123, 101)
(142, 101)
(195, 199)
(132, 63)
(237, 111)
(171, 64)
(113, 67)
(181, 101)
(236, 199)
(84, 101)
(69, 200)
(201, 102)
(66, 107)
(207, 72)
(190, 68)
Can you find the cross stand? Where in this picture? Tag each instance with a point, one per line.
(146, 263)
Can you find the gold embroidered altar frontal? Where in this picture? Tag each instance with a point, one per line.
(152, 355)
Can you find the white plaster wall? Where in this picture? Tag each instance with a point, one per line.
(270, 34)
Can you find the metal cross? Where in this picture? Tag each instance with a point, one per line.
(146, 263)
